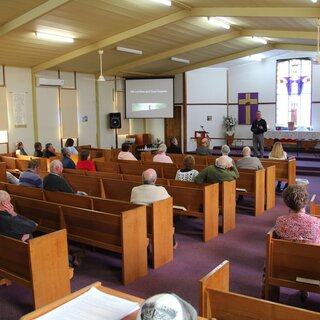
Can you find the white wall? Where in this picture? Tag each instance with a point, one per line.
(206, 95)
(18, 80)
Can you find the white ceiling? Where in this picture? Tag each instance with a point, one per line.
(159, 31)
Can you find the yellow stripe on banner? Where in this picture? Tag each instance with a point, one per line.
(248, 109)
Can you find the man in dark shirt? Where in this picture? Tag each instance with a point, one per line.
(53, 181)
(12, 224)
(173, 148)
(258, 127)
(49, 151)
(67, 162)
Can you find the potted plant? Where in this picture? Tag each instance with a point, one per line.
(230, 123)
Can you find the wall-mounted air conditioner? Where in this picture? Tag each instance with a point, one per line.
(50, 82)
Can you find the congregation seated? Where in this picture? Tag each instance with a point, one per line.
(148, 192)
(248, 162)
(125, 153)
(49, 151)
(54, 181)
(66, 161)
(187, 173)
(161, 155)
(19, 149)
(277, 153)
(30, 177)
(85, 163)
(297, 225)
(12, 224)
(173, 148)
(38, 150)
(223, 170)
(11, 178)
(203, 149)
(225, 150)
(69, 145)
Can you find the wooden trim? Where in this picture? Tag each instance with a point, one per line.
(184, 110)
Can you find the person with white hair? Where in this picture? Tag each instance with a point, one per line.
(12, 224)
(223, 170)
(248, 162)
(148, 192)
(161, 155)
(53, 181)
(203, 149)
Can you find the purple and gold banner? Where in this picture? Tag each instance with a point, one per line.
(248, 106)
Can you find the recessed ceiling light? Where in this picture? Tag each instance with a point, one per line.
(179, 60)
(165, 2)
(218, 23)
(53, 37)
(314, 1)
(129, 50)
(259, 39)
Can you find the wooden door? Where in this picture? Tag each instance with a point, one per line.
(173, 126)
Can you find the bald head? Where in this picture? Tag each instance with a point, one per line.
(149, 176)
(204, 142)
(246, 152)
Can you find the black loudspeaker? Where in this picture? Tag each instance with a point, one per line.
(115, 120)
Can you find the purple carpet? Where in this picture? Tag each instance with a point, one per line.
(244, 247)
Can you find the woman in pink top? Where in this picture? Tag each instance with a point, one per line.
(297, 226)
(85, 163)
(161, 155)
(125, 153)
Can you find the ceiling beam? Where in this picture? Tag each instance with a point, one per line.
(295, 47)
(113, 39)
(210, 62)
(284, 12)
(170, 53)
(31, 15)
(280, 34)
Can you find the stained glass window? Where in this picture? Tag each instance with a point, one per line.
(294, 92)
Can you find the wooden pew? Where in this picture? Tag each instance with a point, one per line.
(41, 264)
(159, 219)
(285, 169)
(90, 185)
(288, 260)
(107, 166)
(217, 302)
(269, 186)
(35, 193)
(314, 206)
(124, 233)
(227, 200)
(253, 181)
(198, 203)
(3, 172)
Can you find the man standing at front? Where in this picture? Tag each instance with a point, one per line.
(258, 127)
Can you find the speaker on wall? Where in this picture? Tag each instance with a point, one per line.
(115, 120)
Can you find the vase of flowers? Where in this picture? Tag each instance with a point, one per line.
(230, 123)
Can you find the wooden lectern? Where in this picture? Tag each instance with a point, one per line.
(199, 135)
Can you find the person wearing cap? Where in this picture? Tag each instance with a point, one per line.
(203, 149)
(173, 148)
(166, 306)
(223, 170)
(248, 162)
(161, 155)
(30, 177)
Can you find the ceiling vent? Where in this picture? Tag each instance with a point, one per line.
(50, 82)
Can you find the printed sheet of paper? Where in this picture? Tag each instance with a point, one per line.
(93, 305)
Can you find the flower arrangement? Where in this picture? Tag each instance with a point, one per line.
(230, 123)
